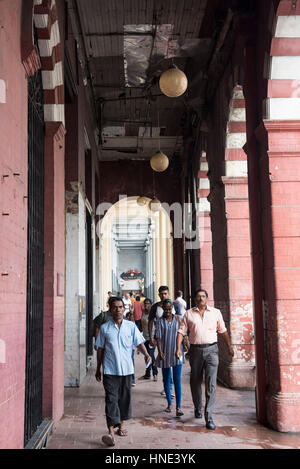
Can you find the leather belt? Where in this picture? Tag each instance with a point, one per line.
(203, 345)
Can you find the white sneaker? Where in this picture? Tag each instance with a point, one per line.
(163, 393)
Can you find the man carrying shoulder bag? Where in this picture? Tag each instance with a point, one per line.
(99, 320)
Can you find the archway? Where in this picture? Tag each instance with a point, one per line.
(128, 225)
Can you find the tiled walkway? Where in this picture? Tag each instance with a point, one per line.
(151, 428)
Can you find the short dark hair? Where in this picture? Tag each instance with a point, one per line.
(167, 302)
(109, 292)
(179, 293)
(137, 298)
(147, 300)
(113, 299)
(163, 288)
(199, 290)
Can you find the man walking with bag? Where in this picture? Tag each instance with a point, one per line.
(202, 323)
(115, 340)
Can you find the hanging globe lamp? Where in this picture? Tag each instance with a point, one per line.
(159, 162)
(173, 82)
(154, 205)
(141, 201)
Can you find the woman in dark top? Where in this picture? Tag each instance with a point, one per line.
(166, 333)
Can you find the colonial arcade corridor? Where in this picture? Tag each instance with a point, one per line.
(151, 428)
(146, 143)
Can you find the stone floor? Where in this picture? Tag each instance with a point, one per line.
(83, 423)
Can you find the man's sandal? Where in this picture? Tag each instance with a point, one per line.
(108, 440)
(168, 409)
(179, 413)
(122, 432)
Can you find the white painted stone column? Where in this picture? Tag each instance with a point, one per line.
(152, 262)
(75, 349)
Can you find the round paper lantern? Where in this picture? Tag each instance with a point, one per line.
(173, 82)
(154, 205)
(159, 162)
(141, 201)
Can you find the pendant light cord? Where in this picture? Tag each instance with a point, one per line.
(154, 192)
(158, 124)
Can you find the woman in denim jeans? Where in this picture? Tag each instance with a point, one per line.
(166, 333)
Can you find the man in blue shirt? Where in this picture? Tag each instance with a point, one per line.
(114, 342)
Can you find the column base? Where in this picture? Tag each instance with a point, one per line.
(283, 411)
(236, 375)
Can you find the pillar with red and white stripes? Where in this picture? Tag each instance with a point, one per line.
(205, 235)
(238, 372)
(281, 220)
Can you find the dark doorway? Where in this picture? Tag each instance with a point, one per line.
(89, 284)
(35, 258)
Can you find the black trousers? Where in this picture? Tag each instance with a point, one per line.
(117, 398)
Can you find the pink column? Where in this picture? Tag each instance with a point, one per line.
(281, 222)
(239, 371)
(54, 224)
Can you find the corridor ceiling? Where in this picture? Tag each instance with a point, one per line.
(124, 46)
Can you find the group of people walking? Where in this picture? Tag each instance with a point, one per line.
(169, 328)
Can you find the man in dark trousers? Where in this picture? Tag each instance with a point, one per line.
(115, 340)
(202, 323)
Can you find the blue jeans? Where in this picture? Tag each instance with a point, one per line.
(133, 379)
(167, 373)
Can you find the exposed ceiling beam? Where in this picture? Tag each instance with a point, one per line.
(82, 55)
(125, 33)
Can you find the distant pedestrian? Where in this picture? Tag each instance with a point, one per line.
(166, 333)
(127, 304)
(109, 295)
(142, 297)
(138, 312)
(181, 303)
(115, 341)
(202, 323)
(132, 298)
(150, 349)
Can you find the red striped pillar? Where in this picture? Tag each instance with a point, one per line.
(50, 49)
(280, 167)
(238, 372)
(48, 58)
(205, 235)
